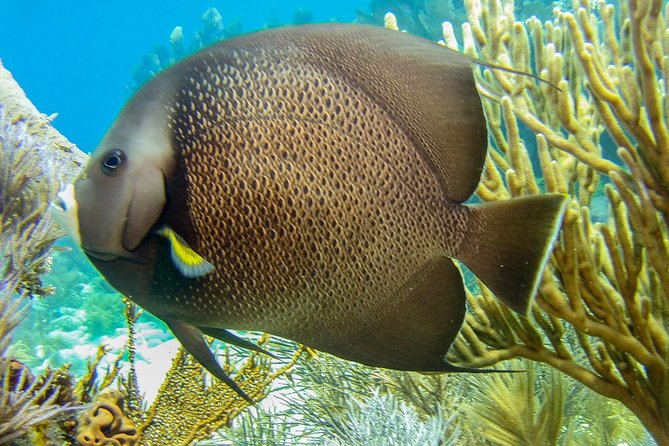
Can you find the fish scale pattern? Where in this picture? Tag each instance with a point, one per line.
(305, 194)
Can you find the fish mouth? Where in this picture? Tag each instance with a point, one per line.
(101, 255)
(106, 256)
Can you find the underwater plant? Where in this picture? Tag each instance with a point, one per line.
(189, 407)
(420, 17)
(212, 30)
(330, 401)
(541, 406)
(29, 150)
(602, 136)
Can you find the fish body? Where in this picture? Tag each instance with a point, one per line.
(317, 174)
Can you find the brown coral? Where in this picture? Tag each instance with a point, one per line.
(105, 424)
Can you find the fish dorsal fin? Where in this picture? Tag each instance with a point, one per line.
(188, 262)
(427, 89)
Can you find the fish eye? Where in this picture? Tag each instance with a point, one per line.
(112, 161)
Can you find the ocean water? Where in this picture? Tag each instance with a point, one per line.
(77, 58)
(83, 60)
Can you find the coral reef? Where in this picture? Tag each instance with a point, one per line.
(336, 402)
(189, 406)
(421, 17)
(33, 159)
(542, 406)
(602, 136)
(212, 30)
(331, 401)
(27, 403)
(600, 317)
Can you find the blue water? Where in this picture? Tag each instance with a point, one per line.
(76, 58)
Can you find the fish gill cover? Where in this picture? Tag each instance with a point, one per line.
(600, 314)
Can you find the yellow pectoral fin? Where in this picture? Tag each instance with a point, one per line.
(188, 262)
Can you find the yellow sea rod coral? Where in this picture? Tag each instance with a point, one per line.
(603, 137)
(105, 424)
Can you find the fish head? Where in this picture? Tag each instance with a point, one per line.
(120, 194)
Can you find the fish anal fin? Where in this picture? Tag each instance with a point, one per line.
(508, 244)
(415, 332)
(193, 341)
(224, 335)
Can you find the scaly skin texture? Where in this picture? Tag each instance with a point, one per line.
(312, 202)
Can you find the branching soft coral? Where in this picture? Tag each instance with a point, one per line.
(27, 402)
(606, 291)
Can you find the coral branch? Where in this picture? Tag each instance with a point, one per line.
(606, 289)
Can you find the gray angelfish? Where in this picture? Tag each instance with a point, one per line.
(309, 182)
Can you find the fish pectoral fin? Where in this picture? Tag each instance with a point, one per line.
(225, 336)
(193, 341)
(185, 259)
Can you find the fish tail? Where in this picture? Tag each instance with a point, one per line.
(508, 244)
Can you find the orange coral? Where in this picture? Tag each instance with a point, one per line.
(106, 424)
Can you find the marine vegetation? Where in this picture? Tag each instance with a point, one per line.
(190, 406)
(420, 17)
(29, 151)
(425, 18)
(330, 401)
(601, 136)
(212, 30)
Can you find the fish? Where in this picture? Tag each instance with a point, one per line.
(311, 182)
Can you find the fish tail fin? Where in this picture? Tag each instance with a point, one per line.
(509, 243)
